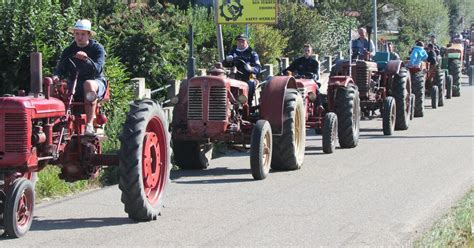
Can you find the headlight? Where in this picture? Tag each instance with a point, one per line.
(243, 99)
(174, 100)
(312, 96)
(91, 96)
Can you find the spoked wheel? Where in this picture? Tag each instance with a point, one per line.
(144, 160)
(389, 115)
(329, 132)
(434, 96)
(261, 150)
(19, 205)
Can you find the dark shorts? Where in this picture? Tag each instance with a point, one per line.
(79, 94)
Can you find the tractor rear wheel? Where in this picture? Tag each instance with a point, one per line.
(455, 71)
(419, 91)
(449, 86)
(145, 160)
(19, 206)
(261, 149)
(389, 113)
(434, 96)
(348, 114)
(288, 148)
(191, 155)
(402, 99)
(440, 82)
(329, 132)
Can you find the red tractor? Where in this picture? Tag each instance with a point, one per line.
(383, 85)
(215, 108)
(338, 117)
(48, 128)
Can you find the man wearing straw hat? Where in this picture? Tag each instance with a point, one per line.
(87, 58)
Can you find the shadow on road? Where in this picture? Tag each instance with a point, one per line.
(217, 181)
(381, 136)
(218, 171)
(59, 224)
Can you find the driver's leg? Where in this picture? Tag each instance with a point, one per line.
(90, 86)
(251, 84)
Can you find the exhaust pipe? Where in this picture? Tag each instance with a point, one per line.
(36, 68)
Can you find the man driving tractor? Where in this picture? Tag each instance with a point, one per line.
(305, 65)
(361, 47)
(84, 58)
(249, 63)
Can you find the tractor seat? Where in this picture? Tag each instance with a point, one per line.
(381, 58)
(106, 96)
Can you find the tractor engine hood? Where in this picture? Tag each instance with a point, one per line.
(35, 107)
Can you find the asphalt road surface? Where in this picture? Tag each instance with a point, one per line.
(386, 191)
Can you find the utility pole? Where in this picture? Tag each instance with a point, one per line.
(374, 24)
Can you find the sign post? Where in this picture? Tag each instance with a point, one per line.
(243, 12)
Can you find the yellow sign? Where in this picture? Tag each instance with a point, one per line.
(246, 11)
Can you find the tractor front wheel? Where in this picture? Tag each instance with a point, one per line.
(329, 132)
(288, 148)
(389, 113)
(19, 205)
(261, 149)
(449, 86)
(144, 157)
(434, 96)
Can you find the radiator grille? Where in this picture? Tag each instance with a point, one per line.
(195, 103)
(16, 133)
(362, 79)
(218, 103)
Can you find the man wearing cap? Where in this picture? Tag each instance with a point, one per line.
(250, 66)
(86, 57)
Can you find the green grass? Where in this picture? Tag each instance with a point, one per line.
(49, 185)
(453, 229)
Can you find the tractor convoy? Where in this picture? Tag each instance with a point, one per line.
(46, 126)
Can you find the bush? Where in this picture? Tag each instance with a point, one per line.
(269, 43)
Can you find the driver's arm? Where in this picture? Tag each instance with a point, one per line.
(255, 63)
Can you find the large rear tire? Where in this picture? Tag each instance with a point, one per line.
(329, 132)
(19, 206)
(389, 113)
(145, 160)
(455, 71)
(191, 155)
(261, 149)
(419, 91)
(288, 148)
(348, 114)
(402, 99)
(441, 82)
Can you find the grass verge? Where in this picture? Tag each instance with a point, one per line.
(454, 229)
(49, 185)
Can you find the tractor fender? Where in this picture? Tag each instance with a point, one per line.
(393, 67)
(339, 81)
(273, 98)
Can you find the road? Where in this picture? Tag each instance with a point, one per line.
(387, 191)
